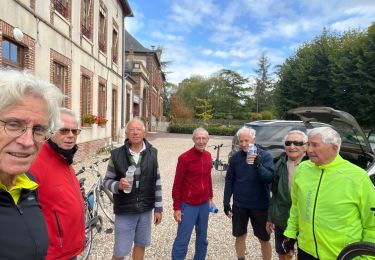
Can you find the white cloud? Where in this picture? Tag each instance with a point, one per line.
(167, 36)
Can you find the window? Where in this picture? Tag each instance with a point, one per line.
(86, 23)
(102, 100)
(12, 54)
(61, 6)
(85, 95)
(59, 79)
(114, 46)
(102, 30)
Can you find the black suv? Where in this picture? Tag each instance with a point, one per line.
(355, 146)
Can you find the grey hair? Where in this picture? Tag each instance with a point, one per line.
(69, 112)
(15, 85)
(136, 119)
(200, 129)
(248, 130)
(304, 136)
(328, 135)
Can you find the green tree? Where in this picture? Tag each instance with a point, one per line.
(203, 110)
(263, 85)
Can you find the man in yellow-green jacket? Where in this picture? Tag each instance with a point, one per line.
(331, 201)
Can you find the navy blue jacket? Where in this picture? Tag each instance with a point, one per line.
(249, 185)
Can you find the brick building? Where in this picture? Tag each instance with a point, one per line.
(79, 46)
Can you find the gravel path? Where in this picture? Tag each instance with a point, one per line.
(221, 242)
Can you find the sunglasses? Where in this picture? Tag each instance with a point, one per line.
(296, 143)
(65, 131)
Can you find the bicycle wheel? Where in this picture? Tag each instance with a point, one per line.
(105, 199)
(357, 249)
(89, 236)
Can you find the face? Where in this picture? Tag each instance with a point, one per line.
(18, 153)
(244, 139)
(135, 132)
(319, 152)
(200, 140)
(66, 140)
(295, 152)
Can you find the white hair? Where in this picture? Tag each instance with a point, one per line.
(69, 112)
(304, 136)
(328, 135)
(248, 130)
(200, 129)
(138, 120)
(15, 85)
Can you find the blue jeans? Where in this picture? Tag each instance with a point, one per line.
(192, 216)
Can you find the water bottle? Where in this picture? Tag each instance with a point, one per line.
(130, 178)
(90, 200)
(251, 150)
(213, 209)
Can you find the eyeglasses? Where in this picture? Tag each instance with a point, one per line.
(296, 143)
(65, 131)
(18, 128)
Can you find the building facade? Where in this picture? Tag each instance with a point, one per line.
(144, 66)
(79, 46)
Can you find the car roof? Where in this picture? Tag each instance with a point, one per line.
(274, 122)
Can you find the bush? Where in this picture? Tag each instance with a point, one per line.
(267, 115)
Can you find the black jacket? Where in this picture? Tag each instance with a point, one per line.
(23, 233)
(140, 199)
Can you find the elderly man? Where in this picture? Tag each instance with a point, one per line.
(295, 144)
(249, 185)
(331, 201)
(28, 110)
(133, 211)
(59, 190)
(192, 196)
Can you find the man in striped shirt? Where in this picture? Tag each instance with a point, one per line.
(134, 202)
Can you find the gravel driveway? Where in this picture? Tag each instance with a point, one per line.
(220, 240)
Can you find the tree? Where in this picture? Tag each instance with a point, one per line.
(168, 90)
(263, 85)
(178, 109)
(203, 110)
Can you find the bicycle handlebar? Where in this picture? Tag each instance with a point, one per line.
(93, 166)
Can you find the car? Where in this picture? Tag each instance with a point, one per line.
(355, 146)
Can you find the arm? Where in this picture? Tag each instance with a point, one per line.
(367, 215)
(178, 184)
(266, 167)
(110, 181)
(292, 228)
(229, 183)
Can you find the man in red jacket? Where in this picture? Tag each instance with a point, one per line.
(192, 197)
(59, 192)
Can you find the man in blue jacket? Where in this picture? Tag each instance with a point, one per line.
(249, 185)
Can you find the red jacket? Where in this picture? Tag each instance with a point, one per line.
(192, 182)
(61, 202)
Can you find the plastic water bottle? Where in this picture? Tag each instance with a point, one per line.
(251, 150)
(213, 209)
(90, 200)
(130, 178)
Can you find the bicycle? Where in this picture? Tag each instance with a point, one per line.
(357, 249)
(97, 196)
(218, 164)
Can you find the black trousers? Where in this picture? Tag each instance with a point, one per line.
(302, 255)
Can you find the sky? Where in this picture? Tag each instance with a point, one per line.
(200, 37)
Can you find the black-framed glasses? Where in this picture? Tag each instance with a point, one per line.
(16, 128)
(296, 143)
(65, 131)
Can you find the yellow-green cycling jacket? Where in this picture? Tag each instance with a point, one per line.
(331, 207)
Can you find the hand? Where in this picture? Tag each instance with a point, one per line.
(177, 216)
(228, 211)
(288, 246)
(123, 184)
(257, 161)
(157, 218)
(270, 227)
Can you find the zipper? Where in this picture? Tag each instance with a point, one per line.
(313, 218)
(58, 228)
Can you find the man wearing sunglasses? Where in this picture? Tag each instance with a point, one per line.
(59, 191)
(295, 144)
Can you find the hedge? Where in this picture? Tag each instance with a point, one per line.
(212, 129)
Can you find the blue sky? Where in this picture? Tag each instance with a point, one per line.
(200, 37)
